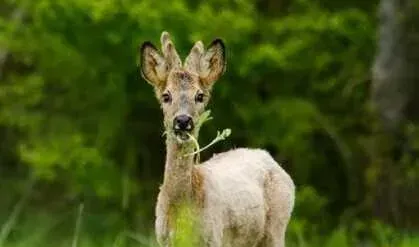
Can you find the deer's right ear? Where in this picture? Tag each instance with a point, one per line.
(154, 68)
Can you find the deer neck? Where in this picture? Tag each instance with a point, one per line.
(177, 182)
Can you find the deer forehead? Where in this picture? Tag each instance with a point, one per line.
(182, 80)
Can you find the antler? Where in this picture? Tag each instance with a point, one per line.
(169, 51)
(194, 57)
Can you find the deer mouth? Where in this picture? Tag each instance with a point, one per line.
(182, 135)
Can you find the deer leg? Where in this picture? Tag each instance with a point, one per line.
(212, 234)
(280, 203)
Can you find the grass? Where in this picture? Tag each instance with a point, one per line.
(79, 228)
(23, 225)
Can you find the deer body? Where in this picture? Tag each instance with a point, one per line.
(241, 197)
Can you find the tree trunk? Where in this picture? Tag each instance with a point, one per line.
(394, 93)
(16, 16)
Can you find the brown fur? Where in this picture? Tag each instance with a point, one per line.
(198, 188)
(242, 197)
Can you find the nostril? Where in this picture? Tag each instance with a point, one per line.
(183, 122)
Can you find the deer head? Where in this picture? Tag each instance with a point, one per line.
(183, 90)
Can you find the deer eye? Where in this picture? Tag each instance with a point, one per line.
(199, 97)
(166, 98)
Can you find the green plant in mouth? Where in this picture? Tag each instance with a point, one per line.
(205, 117)
(220, 137)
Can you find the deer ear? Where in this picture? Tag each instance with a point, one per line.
(213, 63)
(154, 68)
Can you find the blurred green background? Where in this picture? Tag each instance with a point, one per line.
(81, 132)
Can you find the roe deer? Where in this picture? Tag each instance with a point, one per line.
(242, 197)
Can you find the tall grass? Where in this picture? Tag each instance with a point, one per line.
(76, 229)
(82, 226)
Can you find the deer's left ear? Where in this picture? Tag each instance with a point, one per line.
(212, 63)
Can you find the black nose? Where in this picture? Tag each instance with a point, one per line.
(183, 122)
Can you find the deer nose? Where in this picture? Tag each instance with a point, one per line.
(183, 122)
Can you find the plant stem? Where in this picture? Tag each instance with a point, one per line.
(78, 225)
(219, 137)
(8, 225)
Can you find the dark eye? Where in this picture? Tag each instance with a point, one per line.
(166, 98)
(199, 97)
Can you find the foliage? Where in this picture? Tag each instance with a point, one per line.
(50, 231)
(75, 115)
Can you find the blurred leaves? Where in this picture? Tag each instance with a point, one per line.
(295, 84)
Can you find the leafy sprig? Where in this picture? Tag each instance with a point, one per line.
(220, 135)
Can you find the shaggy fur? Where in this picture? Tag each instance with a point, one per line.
(242, 198)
